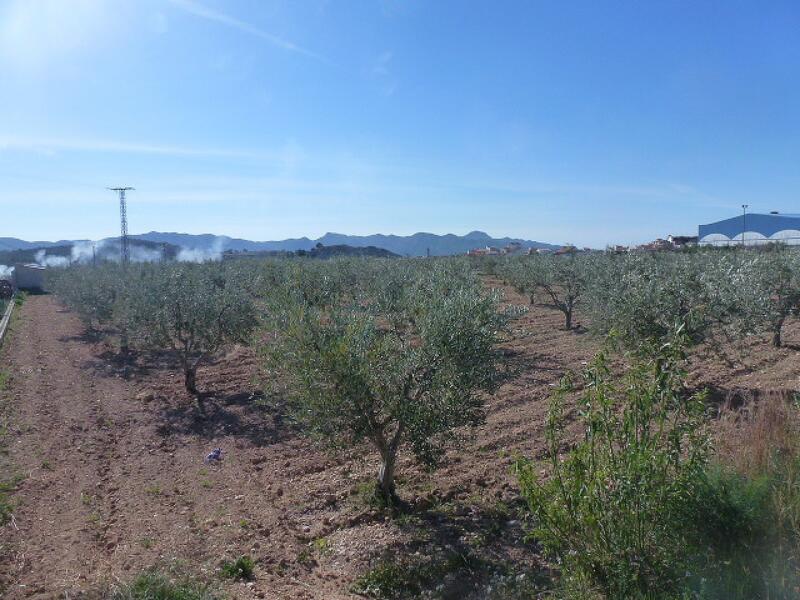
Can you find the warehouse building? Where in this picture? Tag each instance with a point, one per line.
(752, 229)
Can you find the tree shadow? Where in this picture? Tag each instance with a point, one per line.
(243, 414)
(87, 336)
(133, 364)
(116, 364)
(736, 398)
(458, 548)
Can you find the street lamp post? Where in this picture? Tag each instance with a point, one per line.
(744, 220)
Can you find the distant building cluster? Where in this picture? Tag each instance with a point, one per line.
(512, 248)
(673, 242)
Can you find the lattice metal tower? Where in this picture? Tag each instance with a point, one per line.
(124, 245)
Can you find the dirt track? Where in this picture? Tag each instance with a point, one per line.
(114, 480)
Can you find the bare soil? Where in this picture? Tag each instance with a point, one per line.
(115, 482)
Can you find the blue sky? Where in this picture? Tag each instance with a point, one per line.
(586, 122)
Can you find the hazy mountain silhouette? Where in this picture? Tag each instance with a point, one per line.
(418, 244)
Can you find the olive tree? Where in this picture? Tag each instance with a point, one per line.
(405, 363)
(564, 280)
(760, 290)
(644, 296)
(192, 309)
(100, 296)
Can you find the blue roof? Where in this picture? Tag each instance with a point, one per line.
(766, 224)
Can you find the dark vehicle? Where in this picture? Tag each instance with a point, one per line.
(6, 289)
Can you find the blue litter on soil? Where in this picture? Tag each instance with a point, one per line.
(214, 455)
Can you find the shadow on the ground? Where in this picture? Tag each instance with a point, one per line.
(736, 398)
(463, 550)
(87, 336)
(110, 363)
(213, 415)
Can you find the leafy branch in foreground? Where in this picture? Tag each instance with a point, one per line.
(613, 509)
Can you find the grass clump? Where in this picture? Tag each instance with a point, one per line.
(755, 489)
(7, 488)
(241, 568)
(368, 495)
(387, 580)
(395, 577)
(158, 585)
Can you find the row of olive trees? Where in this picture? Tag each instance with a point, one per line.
(643, 296)
(393, 353)
(401, 352)
(191, 310)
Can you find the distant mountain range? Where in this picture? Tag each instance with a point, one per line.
(17, 244)
(418, 244)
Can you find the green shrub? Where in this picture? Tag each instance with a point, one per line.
(638, 509)
(612, 512)
(241, 568)
(742, 548)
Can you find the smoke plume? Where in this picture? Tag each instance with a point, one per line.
(50, 261)
(200, 255)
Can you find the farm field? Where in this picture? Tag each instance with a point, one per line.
(114, 482)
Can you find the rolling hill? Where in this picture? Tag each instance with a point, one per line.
(418, 244)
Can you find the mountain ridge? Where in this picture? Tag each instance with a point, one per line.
(417, 244)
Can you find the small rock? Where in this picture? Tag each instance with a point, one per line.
(145, 396)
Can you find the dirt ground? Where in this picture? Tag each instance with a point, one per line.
(114, 480)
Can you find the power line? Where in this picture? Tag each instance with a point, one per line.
(124, 245)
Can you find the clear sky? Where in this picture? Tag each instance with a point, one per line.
(587, 122)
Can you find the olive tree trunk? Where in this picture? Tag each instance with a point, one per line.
(777, 327)
(386, 478)
(568, 318)
(776, 338)
(190, 374)
(385, 483)
(190, 380)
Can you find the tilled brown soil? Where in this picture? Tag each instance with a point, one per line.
(114, 478)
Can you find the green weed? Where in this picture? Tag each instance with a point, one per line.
(156, 585)
(396, 577)
(241, 568)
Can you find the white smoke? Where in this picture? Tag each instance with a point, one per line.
(86, 252)
(50, 261)
(200, 255)
(6, 272)
(141, 254)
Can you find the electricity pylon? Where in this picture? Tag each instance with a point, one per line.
(124, 246)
